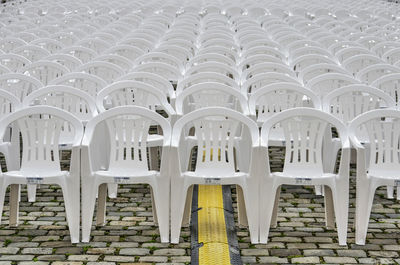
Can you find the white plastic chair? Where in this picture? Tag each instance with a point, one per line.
(304, 61)
(266, 68)
(303, 165)
(171, 73)
(346, 103)
(252, 84)
(129, 92)
(10, 144)
(205, 77)
(161, 57)
(89, 83)
(210, 94)
(45, 71)
(122, 62)
(84, 54)
(379, 167)
(392, 56)
(315, 70)
(31, 52)
(128, 130)
(14, 62)
(390, 84)
(274, 98)
(215, 130)
(73, 100)
(155, 80)
(214, 67)
(357, 62)
(128, 51)
(325, 83)
(51, 45)
(66, 60)
(371, 73)
(109, 72)
(18, 84)
(10, 43)
(40, 160)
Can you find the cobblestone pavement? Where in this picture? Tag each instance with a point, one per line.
(130, 236)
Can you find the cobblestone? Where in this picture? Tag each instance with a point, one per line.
(130, 236)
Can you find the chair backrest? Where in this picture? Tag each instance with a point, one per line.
(315, 70)
(18, 84)
(32, 52)
(348, 102)
(254, 83)
(215, 130)
(390, 84)
(45, 71)
(326, 83)
(210, 94)
(206, 77)
(128, 131)
(8, 103)
(66, 60)
(14, 62)
(131, 92)
(91, 84)
(383, 129)
(303, 135)
(165, 70)
(357, 62)
(370, 73)
(41, 128)
(109, 72)
(275, 98)
(70, 99)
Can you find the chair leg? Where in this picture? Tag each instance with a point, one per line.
(31, 190)
(112, 190)
(329, 208)
(267, 204)
(14, 204)
(365, 199)
(318, 190)
(390, 192)
(161, 198)
(188, 206)
(251, 199)
(88, 202)
(101, 205)
(242, 215)
(178, 197)
(3, 189)
(274, 219)
(153, 206)
(341, 206)
(72, 208)
(398, 193)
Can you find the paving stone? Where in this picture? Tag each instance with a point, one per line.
(285, 252)
(273, 260)
(134, 251)
(383, 254)
(9, 250)
(318, 252)
(153, 259)
(351, 253)
(254, 252)
(308, 260)
(340, 260)
(169, 252)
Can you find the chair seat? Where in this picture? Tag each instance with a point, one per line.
(126, 173)
(35, 174)
(193, 174)
(389, 174)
